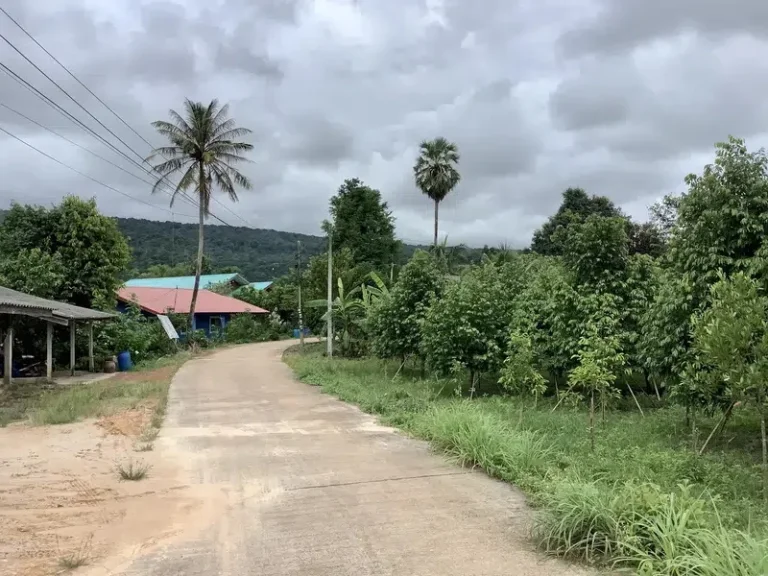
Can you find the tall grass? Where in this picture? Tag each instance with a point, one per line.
(642, 500)
(93, 400)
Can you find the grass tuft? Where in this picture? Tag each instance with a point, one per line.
(144, 447)
(132, 471)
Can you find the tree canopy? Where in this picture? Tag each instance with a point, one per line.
(70, 252)
(362, 223)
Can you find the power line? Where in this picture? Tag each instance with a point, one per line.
(80, 124)
(36, 123)
(52, 57)
(68, 71)
(84, 175)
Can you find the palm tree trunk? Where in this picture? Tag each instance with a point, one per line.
(437, 203)
(200, 239)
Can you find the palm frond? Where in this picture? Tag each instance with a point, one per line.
(202, 141)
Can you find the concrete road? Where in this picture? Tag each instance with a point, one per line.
(304, 484)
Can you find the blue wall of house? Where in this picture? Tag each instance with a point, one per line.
(202, 321)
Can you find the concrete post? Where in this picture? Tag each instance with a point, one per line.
(8, 352)
(49, 352)
(91, 367)
(72, 347)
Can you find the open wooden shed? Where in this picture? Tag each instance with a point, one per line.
(13, 303)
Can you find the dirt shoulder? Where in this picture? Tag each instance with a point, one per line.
(63, 505)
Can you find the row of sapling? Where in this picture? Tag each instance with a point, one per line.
(598, 308)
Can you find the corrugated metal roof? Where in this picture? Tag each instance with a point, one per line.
(44, 306)
(186, 282)
(178, 300)
(260, 285)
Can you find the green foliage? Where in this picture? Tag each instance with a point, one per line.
(596, 251)
(722, 221)
(520, 373)
(576, 207)
(244, 328)
(362, 222)
(131, 331)
(395, 324)
(469, 324)
(70, 252)
(34, 271)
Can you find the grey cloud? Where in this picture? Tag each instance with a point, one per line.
(624, 24)
(334, 90)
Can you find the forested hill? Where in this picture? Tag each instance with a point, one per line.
(259, 254)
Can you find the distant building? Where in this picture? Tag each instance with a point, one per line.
(261, 285)
(188, 282)
(212, 311)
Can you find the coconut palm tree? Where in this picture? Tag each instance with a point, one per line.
(202, 152)
(435, 170)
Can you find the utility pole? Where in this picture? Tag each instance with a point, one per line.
(329, 322)
(298, 272)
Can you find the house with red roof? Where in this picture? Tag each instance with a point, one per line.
(212, 311)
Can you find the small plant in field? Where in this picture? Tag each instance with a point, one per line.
(76, 558)
(599, 360)
(132, 471)
(149, 434)
(144, 447)
(519, 373)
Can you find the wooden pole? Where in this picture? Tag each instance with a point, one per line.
(72, 347)
(91, 366)
(8, 353)
(49, 352)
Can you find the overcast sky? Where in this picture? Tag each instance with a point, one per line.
(620, 97)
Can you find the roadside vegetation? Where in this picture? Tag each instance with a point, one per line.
(43, 404)
(616, 371)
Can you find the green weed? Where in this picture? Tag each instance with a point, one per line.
(132, 471)
(92, 400)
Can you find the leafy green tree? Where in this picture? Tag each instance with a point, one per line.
(469, 325)
(719, 228)
(436, 171)
(395, 323)
(730, 344)
(34, 271)
(202, 152)
(576, 207)
(596, 251)
(547, 311)
(520, 373)
(362, 223)
(74, 253)
(722, 221)
(600, 360)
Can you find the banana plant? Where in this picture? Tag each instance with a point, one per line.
(348, 310)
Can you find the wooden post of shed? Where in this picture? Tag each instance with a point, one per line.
(49, 352)
(91, 367)
(8, 353)
(72, 347)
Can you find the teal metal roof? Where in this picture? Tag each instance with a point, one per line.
(188, 282)
(260, 285)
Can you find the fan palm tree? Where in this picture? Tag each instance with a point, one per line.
(435, 170)
(202, 151)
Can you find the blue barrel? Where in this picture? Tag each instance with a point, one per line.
(296, 332)
(124, 361)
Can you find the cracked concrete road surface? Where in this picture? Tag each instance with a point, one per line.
(301, 483)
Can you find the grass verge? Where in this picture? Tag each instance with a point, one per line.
(642, 500)
(44, 404)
